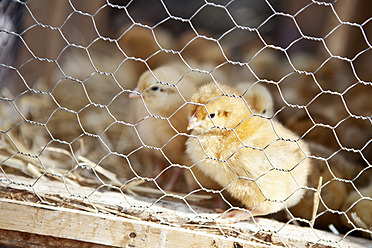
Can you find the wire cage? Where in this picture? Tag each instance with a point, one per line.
(202, 123)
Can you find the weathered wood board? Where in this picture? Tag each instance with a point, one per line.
(113, 218)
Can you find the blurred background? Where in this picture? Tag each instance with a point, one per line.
(39, 36)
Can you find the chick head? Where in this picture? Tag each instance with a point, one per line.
(217, 106)
(163, 91)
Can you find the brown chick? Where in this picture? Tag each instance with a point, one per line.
(257, 160)
(162, 93)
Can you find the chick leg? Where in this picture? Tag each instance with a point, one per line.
(171, 184)
(237, 215)
(157, 166)
(169, 178)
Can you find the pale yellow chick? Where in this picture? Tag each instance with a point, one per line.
(260, 162)
(162, 93)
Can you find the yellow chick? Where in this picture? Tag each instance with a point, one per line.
(160, 114)
(260, 102)
(257, 160)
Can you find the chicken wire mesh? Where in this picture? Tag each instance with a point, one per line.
(96, 99)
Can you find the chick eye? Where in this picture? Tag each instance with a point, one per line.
(212, 115)
(155, 88)
(264, 112)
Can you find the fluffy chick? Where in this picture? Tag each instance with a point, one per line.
(162, 93)
(260, 102)
(257, 160)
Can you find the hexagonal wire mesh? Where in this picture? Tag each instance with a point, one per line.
(96, 100)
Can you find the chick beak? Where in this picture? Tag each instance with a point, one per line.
(193, 123)
(134, 94)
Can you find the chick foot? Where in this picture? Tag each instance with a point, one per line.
(234, 216)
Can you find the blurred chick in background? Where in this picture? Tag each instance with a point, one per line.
(258, 98)
(249, 155)
(147, 44)
(330, 95)
(162, 93)
(359, 210)
(334, 169)
(200, 50)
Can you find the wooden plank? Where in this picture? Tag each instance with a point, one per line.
(105, 229)
(21, 239)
